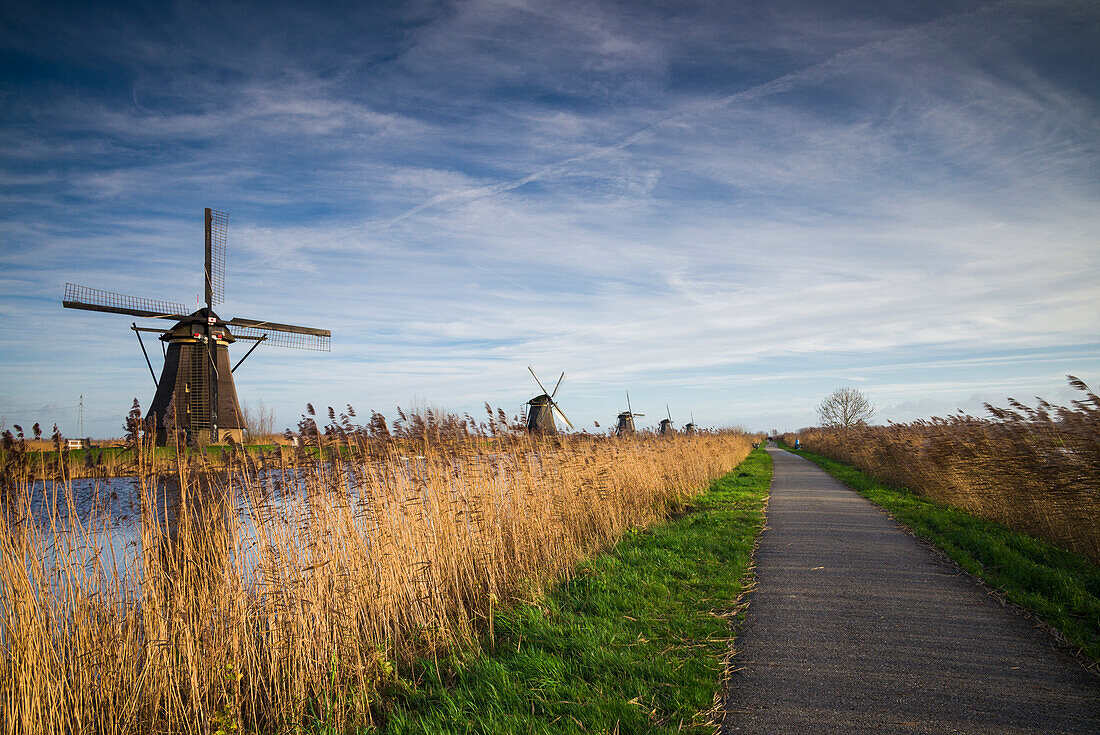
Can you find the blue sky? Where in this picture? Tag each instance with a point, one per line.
(733, 208)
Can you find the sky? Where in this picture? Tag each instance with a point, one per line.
(728, 208)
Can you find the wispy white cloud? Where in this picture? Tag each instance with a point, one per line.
(689, 202)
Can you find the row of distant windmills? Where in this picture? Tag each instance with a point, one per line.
(196, 393)
(541, 410)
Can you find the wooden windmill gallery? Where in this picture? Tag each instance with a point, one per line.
(196, 382)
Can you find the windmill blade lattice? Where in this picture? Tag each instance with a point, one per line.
(280, 338)
(94, 299)
(218, 230)
(282, 335)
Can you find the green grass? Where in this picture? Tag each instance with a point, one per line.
(634, 642)
(1061, 587)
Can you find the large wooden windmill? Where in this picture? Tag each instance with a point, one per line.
(625, 423)
(196, 380)
(541, 408)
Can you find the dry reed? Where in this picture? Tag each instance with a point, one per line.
(1036, 470)
(289, 586)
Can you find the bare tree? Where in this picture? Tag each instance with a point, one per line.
(845, 407)
(259, 420)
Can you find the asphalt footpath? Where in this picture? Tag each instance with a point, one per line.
(857, 627)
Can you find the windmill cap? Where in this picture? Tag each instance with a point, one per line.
(195, 323)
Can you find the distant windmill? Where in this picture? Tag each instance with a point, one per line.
(540, 417)
(690, 428)
(196, 378)
(666, 425)
(626, 419)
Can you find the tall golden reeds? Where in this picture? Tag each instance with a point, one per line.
(290, 585)
(1036, 470)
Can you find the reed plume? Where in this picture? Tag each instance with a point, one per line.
(295, 585)
(1036, 470)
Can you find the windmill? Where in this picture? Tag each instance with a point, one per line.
(690, 428)
(626, 419)
(666, 424)
(540, 417)
(196, 379)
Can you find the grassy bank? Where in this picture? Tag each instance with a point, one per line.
(1061, 587)
(118, 461)
(634, 642)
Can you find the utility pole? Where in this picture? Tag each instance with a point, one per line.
(80, 417)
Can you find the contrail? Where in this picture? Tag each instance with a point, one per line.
(809, 75)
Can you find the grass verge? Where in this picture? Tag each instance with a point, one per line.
(1060, 587)
(634, 642)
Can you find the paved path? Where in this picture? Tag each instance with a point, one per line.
(856, 627)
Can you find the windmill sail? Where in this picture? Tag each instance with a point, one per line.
(539, 381)
(217, 227)
(282, 335)
(94, 299)
(563, 418)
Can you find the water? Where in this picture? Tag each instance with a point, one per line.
(92, 528)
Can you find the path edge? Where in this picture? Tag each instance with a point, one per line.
(716, 715)
(1057, 641)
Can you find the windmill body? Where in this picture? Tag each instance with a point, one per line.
(195, 393)
(184, 387)
(625, 421)
(666, 428)
(540, 416)
(541, 410)
(689, 428)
